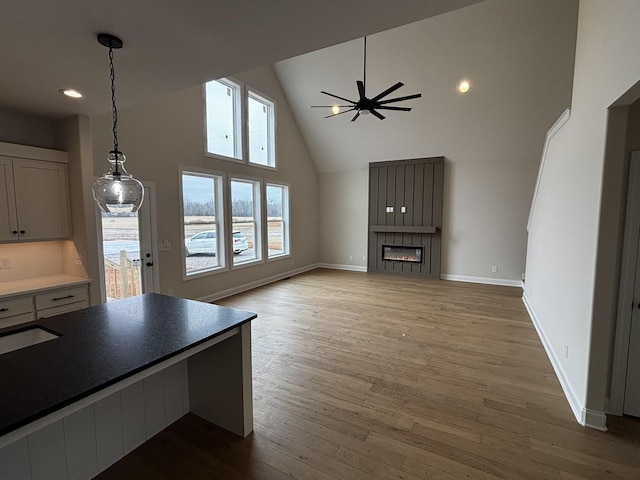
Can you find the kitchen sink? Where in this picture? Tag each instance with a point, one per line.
(24, 338)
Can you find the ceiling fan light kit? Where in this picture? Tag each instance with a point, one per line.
(365, 105)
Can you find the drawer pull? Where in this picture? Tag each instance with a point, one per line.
(62, 298)
(4, 309)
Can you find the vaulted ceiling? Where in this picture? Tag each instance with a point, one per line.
(168, 44)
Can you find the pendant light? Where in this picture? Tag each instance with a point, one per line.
(117, 191)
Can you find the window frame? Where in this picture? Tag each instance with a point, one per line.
(219, 181)
(271, 129)
(239, 107)
(257, 220)
(286, 215)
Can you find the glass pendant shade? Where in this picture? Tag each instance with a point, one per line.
(117, 191)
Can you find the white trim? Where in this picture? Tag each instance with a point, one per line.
(584, 416)
(626, 289)
(351, 268)
(33, 153)
(505, 282)
(258, 283)
(555, 128)
(594, 419)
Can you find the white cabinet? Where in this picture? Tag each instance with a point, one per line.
(61, 300)
(34, 202)
(54, 301)
(16, 310)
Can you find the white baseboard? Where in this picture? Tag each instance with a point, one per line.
(335, 266)
(487, 280)
(584, 416)
(258, 283)
(594, 419)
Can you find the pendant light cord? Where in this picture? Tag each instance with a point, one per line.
(114, 109)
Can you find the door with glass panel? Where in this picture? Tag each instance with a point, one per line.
(129, 263)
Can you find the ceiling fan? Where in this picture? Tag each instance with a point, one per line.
(366, 105)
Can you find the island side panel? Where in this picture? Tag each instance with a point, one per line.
(220, 388)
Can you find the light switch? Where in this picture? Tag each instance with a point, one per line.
(403, 209)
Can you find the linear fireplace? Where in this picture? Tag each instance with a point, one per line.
(405, 216)
(399, 253)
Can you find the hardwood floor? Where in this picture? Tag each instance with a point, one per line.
(368, 376)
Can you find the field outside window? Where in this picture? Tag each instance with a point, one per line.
(277, 220)
(203, 239)
(245, 215)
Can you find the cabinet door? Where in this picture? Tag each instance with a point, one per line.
(8, 222)
(42, 201)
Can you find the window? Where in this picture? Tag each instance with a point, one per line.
(223, 119)
(261, 130)
(228, 110)
(202, 223)
(245, 215)
(277, 220)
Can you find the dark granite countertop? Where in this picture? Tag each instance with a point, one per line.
(100, 346)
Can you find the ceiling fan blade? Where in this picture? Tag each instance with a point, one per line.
(360, 88)
(400, 99)
(336, 96)
(387, 91)
(331, 106)
(356, 116)
(340, 113)
(376, 114)
(402, 109)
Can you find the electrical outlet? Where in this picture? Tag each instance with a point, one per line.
(164, 245)
(494, 269)
(170, 292)
(364, 258)
(78, 259)
(350, 257)
(5, 262)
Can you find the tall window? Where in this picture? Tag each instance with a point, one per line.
(245, 215)
(223, 118)
(261, 130)
(277, 220)
(202, 223)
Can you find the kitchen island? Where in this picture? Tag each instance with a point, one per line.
(116, 374)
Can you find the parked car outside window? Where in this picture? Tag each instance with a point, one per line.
(203, 242)
(240, 243)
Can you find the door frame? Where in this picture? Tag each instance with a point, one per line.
(148, 238)
(626, 301)
(148, 229)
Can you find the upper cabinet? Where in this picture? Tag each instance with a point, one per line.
(34, 202)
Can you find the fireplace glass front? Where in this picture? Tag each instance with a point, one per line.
(398, 253)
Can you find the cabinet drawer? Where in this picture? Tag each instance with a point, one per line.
(16, 306)
(17, 319)
(70, 307)
(63, 296)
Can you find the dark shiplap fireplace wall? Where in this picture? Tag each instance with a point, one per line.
(405, 210)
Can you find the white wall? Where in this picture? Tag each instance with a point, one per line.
(519, 58)
(564, 240)
(159, 136)
(343, 215)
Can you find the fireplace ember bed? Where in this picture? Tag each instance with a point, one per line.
(398, 253)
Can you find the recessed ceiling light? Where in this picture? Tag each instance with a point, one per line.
(71, 92)
(464, 86)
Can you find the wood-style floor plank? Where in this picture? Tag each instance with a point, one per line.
(370, 376)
